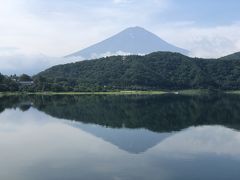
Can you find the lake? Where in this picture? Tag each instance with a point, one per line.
(164, 137)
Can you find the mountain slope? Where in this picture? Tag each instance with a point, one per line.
(135, 40)
(235, 56)
(161, 70)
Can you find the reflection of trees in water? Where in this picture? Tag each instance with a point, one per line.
(8, 102)
(24, 107)
(156, 113)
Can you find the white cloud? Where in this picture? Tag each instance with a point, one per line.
(208, 42)
(201, 140)
(13, 61)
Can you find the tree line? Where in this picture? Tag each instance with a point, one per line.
(156, 71)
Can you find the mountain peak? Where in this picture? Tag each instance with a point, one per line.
(133, 40)
(135, 28)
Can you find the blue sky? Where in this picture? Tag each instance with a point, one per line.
(205, 12)
(33, 29)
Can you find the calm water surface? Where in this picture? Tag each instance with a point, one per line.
(120, 137)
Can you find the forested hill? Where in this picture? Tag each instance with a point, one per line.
(235, 56)
(160, 70)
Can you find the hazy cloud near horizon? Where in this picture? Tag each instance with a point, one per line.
(18, 63)
(33, 29)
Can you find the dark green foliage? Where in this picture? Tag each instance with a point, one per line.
(25, 77)
(161, 70)
(156, 71)
(7, 84)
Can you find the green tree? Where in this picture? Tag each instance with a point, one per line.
(25, 77)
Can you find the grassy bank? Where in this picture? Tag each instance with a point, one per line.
(188, 92)
(86, 93)
(193, 92)
(233, 92)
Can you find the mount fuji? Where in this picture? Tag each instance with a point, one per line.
(134, 40)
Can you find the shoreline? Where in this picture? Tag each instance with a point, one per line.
(177, 92)
(88, 93)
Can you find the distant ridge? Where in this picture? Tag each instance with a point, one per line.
(234, 56)
(155, 71)
(134, 40)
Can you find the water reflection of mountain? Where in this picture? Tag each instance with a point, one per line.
(133, 141)
(156, 113)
